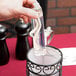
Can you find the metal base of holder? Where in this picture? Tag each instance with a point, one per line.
(50, 66)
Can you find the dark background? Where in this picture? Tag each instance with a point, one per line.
(43, 4)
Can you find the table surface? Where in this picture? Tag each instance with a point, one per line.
(18, 68)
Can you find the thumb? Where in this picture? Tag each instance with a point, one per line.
(28, 12)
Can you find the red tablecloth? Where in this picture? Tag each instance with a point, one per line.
(18, 68)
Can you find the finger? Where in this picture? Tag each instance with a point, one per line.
(28, 4)
(25, 18)
(28, 12)
(29, 1)
(29, 19)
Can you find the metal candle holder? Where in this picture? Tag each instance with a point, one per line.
(35, 69)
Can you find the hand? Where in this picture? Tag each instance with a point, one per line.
(17, 9)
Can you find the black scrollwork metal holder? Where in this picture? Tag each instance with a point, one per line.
(55, 69)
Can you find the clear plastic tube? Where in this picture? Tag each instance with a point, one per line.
(41, 32)
(38, 33)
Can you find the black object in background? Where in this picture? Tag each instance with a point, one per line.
(22, 45)
(10, 25)
(43, 4)
(4, 53)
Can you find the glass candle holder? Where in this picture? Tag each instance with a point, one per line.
(45, 65)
